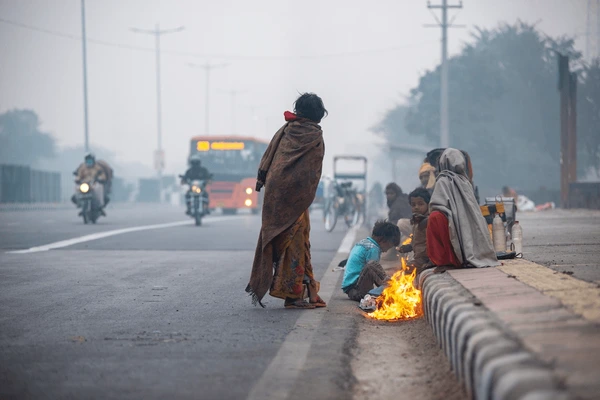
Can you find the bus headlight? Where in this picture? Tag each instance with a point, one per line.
(248, 202)
(249, 190)
(84, 188)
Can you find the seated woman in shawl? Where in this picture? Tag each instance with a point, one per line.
(290, 171)
(457, 234)
(433, 158)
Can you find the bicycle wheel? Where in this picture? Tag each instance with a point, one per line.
(330, 216)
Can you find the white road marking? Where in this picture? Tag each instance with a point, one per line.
(280, 377)
(102, 235)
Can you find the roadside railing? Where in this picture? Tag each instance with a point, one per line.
(21, 184)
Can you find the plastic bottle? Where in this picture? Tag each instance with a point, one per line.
(517, 237)
(508, 241)
(498, 235)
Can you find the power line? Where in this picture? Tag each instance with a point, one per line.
(239, 57)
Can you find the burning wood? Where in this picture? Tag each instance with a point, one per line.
(401, 299)
(408, 240)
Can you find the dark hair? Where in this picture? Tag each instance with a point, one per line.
(393, 186)
(433, 157)
(310, 106)
(420, 192)
(387, 231)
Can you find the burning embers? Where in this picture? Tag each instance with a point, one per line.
(401, 299)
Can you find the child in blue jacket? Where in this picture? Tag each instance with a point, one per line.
(363, 270)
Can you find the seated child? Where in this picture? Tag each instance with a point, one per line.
(363, 270)
(419, 202)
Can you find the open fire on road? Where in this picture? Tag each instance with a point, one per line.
(401, 300)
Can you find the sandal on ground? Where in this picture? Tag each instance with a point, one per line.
(319, 303)
(299, 304)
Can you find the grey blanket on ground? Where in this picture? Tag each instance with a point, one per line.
(453, 195)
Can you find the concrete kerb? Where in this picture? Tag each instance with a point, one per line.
(489, 361)
(478, 341)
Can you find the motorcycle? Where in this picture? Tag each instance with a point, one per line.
(344, 202)
(199, 199)
(88, 196)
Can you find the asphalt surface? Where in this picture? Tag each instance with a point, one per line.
(151, 314)
(567, 241)
(161, 312)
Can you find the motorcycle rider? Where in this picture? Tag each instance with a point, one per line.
(195, 172)
(108, 172)
(91, 170)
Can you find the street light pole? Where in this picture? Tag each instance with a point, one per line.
(207, 68)
(159, 153)
(85, 97)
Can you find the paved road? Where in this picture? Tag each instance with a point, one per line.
(162, 312)
(564, 240)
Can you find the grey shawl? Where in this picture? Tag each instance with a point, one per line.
(453, 195)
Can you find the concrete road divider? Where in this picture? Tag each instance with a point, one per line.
(506, 339)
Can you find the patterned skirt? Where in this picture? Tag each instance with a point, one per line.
(291, 261)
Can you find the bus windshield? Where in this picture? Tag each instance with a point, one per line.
(229, 158)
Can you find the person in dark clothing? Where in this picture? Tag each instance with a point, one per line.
(195, 172)
(399, 215)
(397, 202)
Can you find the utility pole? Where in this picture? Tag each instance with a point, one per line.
(233, 93)
(444, 130)
(567, 86)
(159, 156)
(85, 99)
(207, 68)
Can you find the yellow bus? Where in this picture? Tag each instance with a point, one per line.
(233, 161)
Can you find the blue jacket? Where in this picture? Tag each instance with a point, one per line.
(364, 251)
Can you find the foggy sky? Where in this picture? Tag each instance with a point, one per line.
(364, 58)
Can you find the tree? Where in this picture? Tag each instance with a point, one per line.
(21, 141)
(393, 128)
(504, 105)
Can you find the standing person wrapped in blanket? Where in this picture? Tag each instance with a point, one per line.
(290, 171)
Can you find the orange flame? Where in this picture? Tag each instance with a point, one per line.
(407, 241)
(400, 300)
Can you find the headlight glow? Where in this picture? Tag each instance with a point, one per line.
(196, 189)
(248, 202)
(84, 188)
(249, 190)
